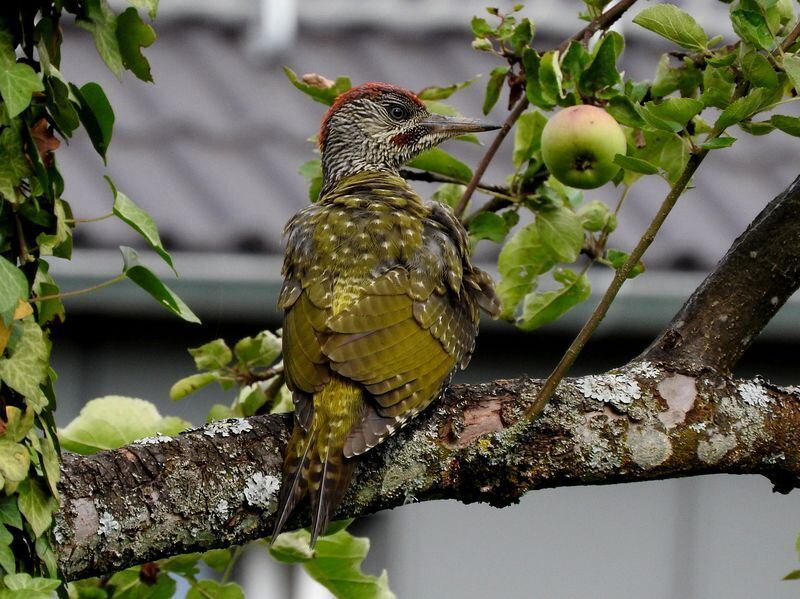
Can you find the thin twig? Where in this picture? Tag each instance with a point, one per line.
(428, 177)
(604, 21)
(89, 220)
(42, 298)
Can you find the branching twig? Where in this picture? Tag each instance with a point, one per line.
(604, 21)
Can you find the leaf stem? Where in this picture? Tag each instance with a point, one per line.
(604, 21)
(235, 555)
(42, 298)
(89, 220)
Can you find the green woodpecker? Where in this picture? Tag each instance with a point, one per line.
(380, 299)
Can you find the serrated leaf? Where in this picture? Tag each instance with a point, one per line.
(438, 161)
(550, 77)
(139, 220)
(336, 563)
(522, 36)
(561, 232)
(206, 589)
(678, 26)
(18, 82)
(493, 87)
(147, 280)
(113, 421)
(523, 258)
(544, 307)
(190, 384)
(667, 151)
(133, 34)
(261, 350)
(531, 63)
(684, 78)
(488, 225)
(673, 110)
(212, 355)
(718, 87)
(434, 92)
(636, 165)
(101, 22)
(752, 28)
(96, 115)
(791, 64)
(26, 366)
(758, 71)
(718, 143)
(325, 95)
(787, 124)
(575, 60)
(602, 71)
(624, 111)
(36, 506)
(13, 286)
(742, 109)
(527, 136)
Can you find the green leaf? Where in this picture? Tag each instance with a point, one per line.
(752, 28)
(18, 82)
(434, 92)
(14, 164)
(488, 225)
(522, 36)
(543, 307)
(151, 6)
(436, 160)
(673, 110)
(758, 71)
(8, 562)
(36, 505)
(113, 421)
(531, 63)
(59, 243)
(147, 280)
(9, 512)
(618, 258)
(23, 586)
(139, 220)
(481, 27)
(527, 136)
(684, 78)
(212, 355)
(133, 34)
(624, 111)
(595, 216)
(743, 108)
(312, 170)
(550, 77)
(321, 93)
(636, 165)
(190, 384)
(449, 194)
(718, 143)
(261, 350)
(560, 230)
(602, 71)
(129, 585)
(101, 22)
(669, 21)
(336, 563)
(667, 151)
(793, 575)
(96, 115)
(523, 258)
(718, 87)
(787, 124)
(14, 460)
(13, 286)
(26, 367)
(791, 64)
(575, 60)
(493, 87)
(217, 559)
(211, 589)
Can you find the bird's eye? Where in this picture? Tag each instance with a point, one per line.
(398, 112)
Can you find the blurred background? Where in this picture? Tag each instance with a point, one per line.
(212, 151)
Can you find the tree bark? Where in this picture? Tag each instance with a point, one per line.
(673, 412)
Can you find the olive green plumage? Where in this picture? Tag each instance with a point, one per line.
(381, 305)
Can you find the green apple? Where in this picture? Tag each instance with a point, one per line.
(579, 144)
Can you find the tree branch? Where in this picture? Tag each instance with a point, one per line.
(217, 485)
(760, 271)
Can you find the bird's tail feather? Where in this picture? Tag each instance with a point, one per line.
(329, 479)
(295, 477)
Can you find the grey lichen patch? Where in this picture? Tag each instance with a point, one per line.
(227, 427)
(713, 450)
(619, 390)
(154, 440)
(398, 477)
(754, 394)
(107, 524)
(596, 450)
(680, 393)
(648, 447)
(261, 490)
(222, 507)
(645, 370)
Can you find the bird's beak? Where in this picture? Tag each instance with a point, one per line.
(456, 125)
